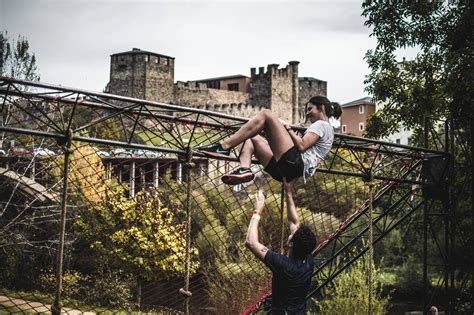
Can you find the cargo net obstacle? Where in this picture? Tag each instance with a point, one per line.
(106, 205)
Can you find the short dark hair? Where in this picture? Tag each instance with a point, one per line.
(332, 109)
(304, 241)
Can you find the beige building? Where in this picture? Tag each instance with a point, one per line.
(238, 83)
(354, 116)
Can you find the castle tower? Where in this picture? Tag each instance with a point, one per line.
(142, 74)
(277, 90)
(309, 87)
(295, 91)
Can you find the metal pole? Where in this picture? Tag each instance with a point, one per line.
(471, 122)
(425, 233)
(57, 305)
(447, 245)
(451, 176)
(370, 254)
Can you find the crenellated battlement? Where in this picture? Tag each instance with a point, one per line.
(236, 109)
(273, 70)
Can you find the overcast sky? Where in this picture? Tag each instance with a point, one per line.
(73, 39)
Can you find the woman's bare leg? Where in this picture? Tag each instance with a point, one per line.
(278, 137)
(258, 146)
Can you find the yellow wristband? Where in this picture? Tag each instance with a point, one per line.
(256, 216)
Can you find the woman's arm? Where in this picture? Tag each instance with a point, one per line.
(293, 219)
(302, 144)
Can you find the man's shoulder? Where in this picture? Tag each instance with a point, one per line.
(272, 255)
(274, 259)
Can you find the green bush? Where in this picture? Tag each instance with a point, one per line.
(348, 293)
(110, 289)
(409, 278)
(71, 285)
(107, 289)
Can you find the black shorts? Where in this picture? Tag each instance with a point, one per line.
(289, 166)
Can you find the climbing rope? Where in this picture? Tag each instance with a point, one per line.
(187, 161)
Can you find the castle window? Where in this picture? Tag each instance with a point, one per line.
(233, 87)
(344, 128)
(361, 109)
(157, 60)
(361, 126)
(146, 58)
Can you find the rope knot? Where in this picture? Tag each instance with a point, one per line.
(187, 159)
(66, 141)
(186, 293)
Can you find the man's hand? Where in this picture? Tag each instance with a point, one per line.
(259, 202)
(252, 234)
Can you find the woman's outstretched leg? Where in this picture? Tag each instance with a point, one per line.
(266, 121)
(255, 146)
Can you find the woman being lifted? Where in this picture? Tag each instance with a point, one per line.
(284, 154)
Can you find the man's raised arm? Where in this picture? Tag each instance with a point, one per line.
(251, 240)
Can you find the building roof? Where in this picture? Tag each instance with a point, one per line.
(228, 77)
(362, 101)
(309, 79)
(137, 51)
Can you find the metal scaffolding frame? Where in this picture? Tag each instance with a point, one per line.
(397, 168)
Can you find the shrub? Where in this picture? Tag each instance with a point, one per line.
(348, 293)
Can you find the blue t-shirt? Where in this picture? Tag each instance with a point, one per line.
(290, 283)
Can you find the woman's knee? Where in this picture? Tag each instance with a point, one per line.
(268, 115)
(248, 144)
(256, 140)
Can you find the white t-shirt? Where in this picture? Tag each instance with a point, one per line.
(317, 153)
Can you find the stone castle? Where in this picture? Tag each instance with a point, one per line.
(148, 75)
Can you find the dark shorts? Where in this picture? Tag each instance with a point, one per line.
(290, 166)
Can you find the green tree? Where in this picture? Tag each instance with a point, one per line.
(139, 234)
(439, 81)
(16, 60)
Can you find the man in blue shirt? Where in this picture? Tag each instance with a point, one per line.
(292, 273)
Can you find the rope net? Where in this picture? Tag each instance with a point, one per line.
(149, 224)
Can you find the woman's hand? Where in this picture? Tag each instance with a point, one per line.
(285, 124)
(259, 202)
(289, 185)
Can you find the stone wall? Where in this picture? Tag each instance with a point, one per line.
(197, 94)
(235, 109)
